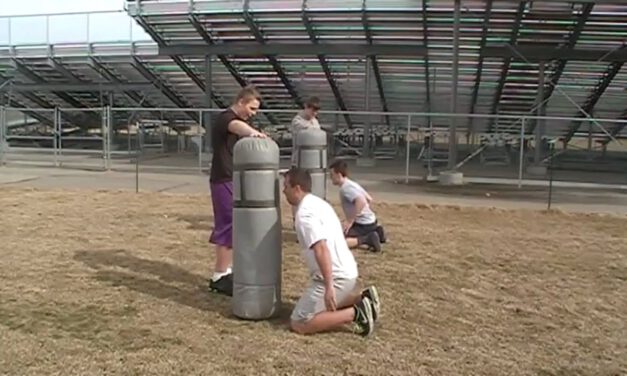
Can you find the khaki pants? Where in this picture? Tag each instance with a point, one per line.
(312, 301)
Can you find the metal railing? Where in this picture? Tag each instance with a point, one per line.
(118, 137)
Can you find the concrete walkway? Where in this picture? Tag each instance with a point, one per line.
(571, 200)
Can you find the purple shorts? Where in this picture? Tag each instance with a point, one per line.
(222, 200)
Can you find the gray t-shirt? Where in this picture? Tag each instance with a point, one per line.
(299, 123)
(349, 191)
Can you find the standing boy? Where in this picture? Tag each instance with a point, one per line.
(227, 128)
(305, 119)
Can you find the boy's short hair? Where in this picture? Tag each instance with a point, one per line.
(313, 102)
(340, 167)
(247, 94)
(299, 176)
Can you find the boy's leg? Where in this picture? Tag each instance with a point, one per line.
(381, 233)
(222, 237)
(360, 314)
(310, 314)
(359, 235)
(369, 292)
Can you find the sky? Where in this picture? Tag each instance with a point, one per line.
(22, 7)
(66, 28)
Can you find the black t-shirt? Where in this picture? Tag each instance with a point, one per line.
(222, 142)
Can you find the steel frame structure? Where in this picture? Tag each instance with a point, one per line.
(432, 56)
(105, 135)
(540, 39)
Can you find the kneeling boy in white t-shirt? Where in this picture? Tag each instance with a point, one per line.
(330, 301)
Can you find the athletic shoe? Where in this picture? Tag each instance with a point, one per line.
(381, 233)
(372, 294)
(224, 285)
(364, 323)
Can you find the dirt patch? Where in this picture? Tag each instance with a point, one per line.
(115, 283)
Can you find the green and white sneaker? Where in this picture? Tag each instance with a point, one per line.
(364, 323)
(372, 294)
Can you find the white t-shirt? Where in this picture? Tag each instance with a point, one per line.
(349, 192)
(315, 220)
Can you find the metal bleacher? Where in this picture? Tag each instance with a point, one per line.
(513, 56)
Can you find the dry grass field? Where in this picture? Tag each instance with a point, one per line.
(113, 283)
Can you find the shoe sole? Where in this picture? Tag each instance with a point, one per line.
(216, 291)
(368, 306)
(373, 295)
(219, 291)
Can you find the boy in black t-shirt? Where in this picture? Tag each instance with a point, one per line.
(227, 127)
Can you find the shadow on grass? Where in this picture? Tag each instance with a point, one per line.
(172, 282)
(92, 323)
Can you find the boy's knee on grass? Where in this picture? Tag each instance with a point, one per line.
(299, 327)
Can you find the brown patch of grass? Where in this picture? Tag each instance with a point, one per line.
(114, 283)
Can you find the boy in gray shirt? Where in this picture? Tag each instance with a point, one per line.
(305, 119)
(361, 226)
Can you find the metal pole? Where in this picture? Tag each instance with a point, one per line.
(200, 143)
(452, 143)
(55, 140)
(103, 132)
(336, 127)
(105, 136)
(373, 113)
(111, 133)
(367, 123)
(539, 123)
(552, 151)
(2, 131)
(589, 136)
(137, 171)
(208, 102)
(110, 128)
(7, 82)
(60, 135)
(138, 151)
(522, 153)
(431, 140)
(471, 156)
(407, 150)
